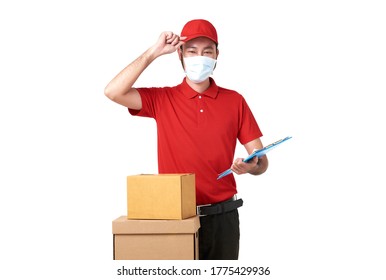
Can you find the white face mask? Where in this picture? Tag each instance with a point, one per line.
(199, 68)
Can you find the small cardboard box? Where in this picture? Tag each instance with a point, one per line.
(161, 196)
(156, 239)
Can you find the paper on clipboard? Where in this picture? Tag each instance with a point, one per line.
(257, 153)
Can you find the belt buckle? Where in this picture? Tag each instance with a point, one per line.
(198, 207)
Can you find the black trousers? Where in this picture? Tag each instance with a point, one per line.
(219, 236)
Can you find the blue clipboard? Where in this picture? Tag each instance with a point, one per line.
(257, 153)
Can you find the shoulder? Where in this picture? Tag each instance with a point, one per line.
(230, 94)
(227, 91)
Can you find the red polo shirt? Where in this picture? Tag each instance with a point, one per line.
(197, 133)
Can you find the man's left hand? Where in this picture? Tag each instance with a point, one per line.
(240, 167)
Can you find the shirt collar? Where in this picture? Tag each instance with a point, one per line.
(188, 92)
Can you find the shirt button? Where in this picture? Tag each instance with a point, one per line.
(199, 96)
(201, 110)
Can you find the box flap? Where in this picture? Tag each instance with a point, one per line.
(122, 225)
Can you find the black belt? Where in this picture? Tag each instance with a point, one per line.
(218, 208)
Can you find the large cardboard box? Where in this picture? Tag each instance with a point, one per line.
(156, 239)
(161, 196)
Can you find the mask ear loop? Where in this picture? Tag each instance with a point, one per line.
(181, 58)
(216, 57)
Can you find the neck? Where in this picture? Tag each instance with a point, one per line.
(200, 87)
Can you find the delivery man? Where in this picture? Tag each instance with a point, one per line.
(198, 126)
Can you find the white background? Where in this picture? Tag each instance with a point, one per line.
(313, 70)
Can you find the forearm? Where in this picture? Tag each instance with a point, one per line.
(124, 81)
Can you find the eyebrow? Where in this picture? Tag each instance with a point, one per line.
(195, 47)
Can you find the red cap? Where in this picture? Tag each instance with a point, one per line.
(199, 28)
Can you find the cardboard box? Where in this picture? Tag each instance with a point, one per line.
(156, 239)
(162, 196)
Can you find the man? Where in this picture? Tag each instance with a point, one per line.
(198, 125)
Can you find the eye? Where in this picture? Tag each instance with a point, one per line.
(208, 53)
(191, 52)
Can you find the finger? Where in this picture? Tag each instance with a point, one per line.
(236, 166)
(238, 170)
(172, 38)
(168, 34)
(175, 40)
(234, 169)
(254, 160)
(180, 43)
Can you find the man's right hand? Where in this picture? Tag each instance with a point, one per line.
(167, 43)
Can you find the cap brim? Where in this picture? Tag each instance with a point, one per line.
(191, 37)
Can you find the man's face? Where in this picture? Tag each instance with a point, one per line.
(201, 46)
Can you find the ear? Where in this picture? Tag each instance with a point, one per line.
(179, 51)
